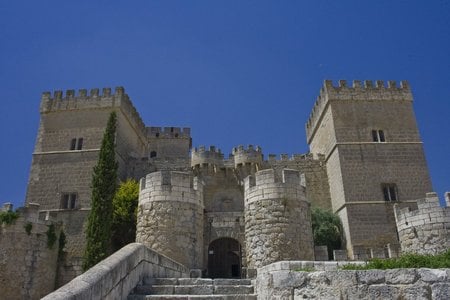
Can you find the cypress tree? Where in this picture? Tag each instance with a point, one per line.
(104, 184)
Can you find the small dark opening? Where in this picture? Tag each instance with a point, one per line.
(374, 136)
(152, 154)
(235, 271)
(157, 134)
(73, 144)
(80, 144)
(381, 134)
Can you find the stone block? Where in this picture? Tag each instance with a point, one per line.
(401, 276)
(432, 275)
(371, 276)
(383, 291)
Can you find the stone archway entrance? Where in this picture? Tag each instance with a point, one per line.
(224, 258)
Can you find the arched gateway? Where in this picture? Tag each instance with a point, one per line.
(224, 258)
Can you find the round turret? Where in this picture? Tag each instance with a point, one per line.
(250, 155)
(200, 156)
(170, 216)
(277, 219)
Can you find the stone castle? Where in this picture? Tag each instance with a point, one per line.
(227, 216)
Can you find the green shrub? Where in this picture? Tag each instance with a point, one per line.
(28, 227)
(327, 229)
(51, 236)
(406, 261)
(8, 217)
(61, 244)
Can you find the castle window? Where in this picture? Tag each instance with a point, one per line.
(73, 144)
(80, 144)
(157, 134)
(76, 144)
(68, 200)
(390, 191)
(152, 154)
(378, 136)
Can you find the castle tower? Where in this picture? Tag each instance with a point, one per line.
(68, 142)
(248, 160)
(170, 216)
(169, 142)
(202, 157)
(277, 219)
(373, 153)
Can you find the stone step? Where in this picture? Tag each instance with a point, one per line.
(193, 297)
(198, 281)
(193, 289)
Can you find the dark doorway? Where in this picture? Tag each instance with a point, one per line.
(224, 259)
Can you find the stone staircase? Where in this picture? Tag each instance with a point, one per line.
(194, 288)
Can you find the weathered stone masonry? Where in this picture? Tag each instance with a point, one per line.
(425, 230)
(28, 262)
(170, 216)
(366, 155)
(277, 219)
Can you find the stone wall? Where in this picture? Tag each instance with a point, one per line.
(286, 280)
(277, 219)
(73, 224)
(170, 216)
(116, 276)
(314, 172)
(425, 230)
(28, 263)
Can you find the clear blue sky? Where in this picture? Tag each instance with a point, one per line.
(236, 72)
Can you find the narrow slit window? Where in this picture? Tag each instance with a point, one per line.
(390, 192)
(73, 144)
(80, 144)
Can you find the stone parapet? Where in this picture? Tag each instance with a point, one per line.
(286, 280)
(249, 155)
(170, 186)
(425, 230)
(169, 132)
(201, 156)
(116, 276)
(266, 185)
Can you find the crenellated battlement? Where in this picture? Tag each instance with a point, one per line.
(83, 93)
(273, 158)
(247, 155)
(70, 100)
(168, 178)
(428, 210)
(424, 230)
(267, 177)
(168, 132)
(212, 156)
(366, 90)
